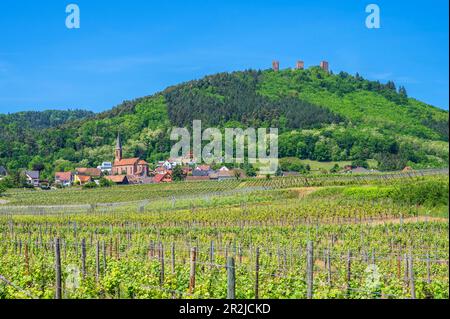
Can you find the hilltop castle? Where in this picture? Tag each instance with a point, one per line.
(301, 65)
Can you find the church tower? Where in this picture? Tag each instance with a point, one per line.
(118, 153)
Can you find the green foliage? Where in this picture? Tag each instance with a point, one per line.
(360, 163)
(250, 171)
(131, 242)
(90, 185)
(429, 192)
(292, 164)
(335, 168)
(105, 182)
(3, 188)
(177, 174)
(320, 116)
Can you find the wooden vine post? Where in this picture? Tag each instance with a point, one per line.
(309, 270)
(231, 278)
(58, 286)
(192, 272)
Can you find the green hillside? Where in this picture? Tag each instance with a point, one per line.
(321, 117)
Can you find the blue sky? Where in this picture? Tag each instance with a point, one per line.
(128, 49)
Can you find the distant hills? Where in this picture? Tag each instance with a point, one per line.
(321, 116)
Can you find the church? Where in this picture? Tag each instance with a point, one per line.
(132, 167)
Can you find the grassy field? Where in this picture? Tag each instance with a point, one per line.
(139, 241)
(317, 166)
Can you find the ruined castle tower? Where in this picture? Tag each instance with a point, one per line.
(300, 65)
(325, 66)
(276, 65)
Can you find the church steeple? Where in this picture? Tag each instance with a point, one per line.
(118, 153)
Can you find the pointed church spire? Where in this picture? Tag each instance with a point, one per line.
(118, 142)
(118, 154)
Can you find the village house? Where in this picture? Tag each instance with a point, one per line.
(64, 179)
(133, 167)
(202, 170)
(33, 178)
(106, 168)
(82, 179)
(163, 178)
(160, 170)
(222, 175)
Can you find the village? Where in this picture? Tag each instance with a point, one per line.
(136, 171)
(132, 171)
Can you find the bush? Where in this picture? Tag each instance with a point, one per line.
(90, 185)
(292, 164)
(105, 182)
(429, 192)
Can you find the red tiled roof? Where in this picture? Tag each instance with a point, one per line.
(142, 162)
(84, 179)
(95, 172)
(126, 162)
(117, 178)
(63, 176)
(158, 178)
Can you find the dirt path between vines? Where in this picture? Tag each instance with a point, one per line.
(304, 191)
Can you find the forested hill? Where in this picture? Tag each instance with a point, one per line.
(321, 116)
(40, 120)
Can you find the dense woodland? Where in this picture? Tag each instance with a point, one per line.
(321, 116)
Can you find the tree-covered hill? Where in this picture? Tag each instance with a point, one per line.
(321, 116)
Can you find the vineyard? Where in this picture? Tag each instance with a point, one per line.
(355, 237)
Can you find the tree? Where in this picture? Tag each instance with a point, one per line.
(250, 171)
(178, 174)
(360, 163)
(237, 174)
(402, 92)
(279, 171)
(37, 164)
(62, 165)
(335, 168)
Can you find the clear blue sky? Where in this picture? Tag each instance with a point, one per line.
(128, 49)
